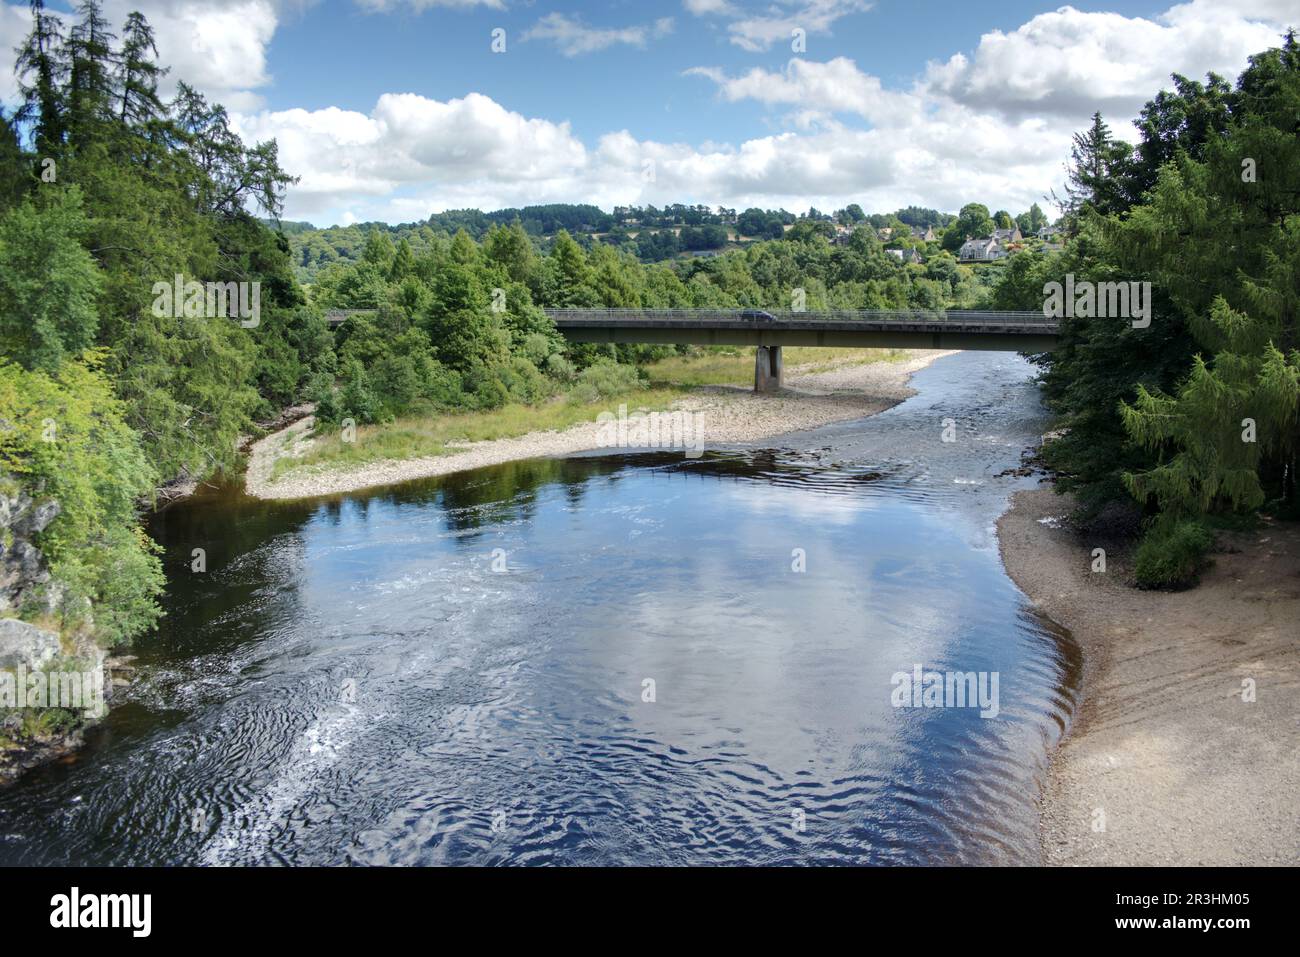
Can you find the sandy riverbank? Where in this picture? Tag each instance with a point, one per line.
(1164, 745)
(814, 396)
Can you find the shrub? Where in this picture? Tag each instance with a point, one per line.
(559, 368)
(397, 381)
(536, 348)
(490, 392)
(358, 398)
(524, 382)
(605, 380)
(1172, 554)
(443, 386)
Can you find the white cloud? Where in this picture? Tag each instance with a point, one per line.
(834, 86)
(757, 32)
(472, 148)
(703, 8)
(411, 156)
(217, 46)
(573, 37)
(15, 24)
(1069, 63)
(385, 6)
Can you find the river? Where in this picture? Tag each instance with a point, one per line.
(604, 659)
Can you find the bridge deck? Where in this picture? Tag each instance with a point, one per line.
(901, 329)
(951, 329)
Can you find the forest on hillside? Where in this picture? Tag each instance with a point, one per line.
(651, 234)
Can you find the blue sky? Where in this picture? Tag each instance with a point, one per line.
(393, 109)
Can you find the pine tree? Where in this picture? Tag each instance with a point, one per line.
(41, 70)
(139, 74)
(1097, 174)
(92, 73)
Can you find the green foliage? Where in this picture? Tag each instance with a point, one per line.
(66, 438)
(605, 380)
(145, 192)
(1032, 221)
(1098, 174)
(1172, 554)
(48, 282)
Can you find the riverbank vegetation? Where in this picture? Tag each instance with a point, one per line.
(600, 388)
(1194, 417)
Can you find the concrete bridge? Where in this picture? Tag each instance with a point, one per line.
(770, 331)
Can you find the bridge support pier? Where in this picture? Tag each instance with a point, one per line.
(767, 369)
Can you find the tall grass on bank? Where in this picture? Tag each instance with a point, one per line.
(422, 436)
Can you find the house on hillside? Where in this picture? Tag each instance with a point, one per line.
(924, 233)
(1048, 233)
(1004, 236)
(982, 250)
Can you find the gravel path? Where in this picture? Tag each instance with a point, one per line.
(1165, 746)
(813, 396)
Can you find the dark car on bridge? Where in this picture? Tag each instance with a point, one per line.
(758, 315)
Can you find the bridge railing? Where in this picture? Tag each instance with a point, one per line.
(962, 316)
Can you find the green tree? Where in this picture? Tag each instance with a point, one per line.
(1232, 423)
(41, 70)
(1097, 176)
(91, 72)
(569, 278)
(139, 74)
(1032, 221)
(1196, 413)
(48, 282)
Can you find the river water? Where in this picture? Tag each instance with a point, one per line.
(593, 660)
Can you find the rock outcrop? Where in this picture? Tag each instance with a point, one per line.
(24, 579)
(32, 735)
(26, 645)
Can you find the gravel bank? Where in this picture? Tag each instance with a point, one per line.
(1185, 771)
(813, 396)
